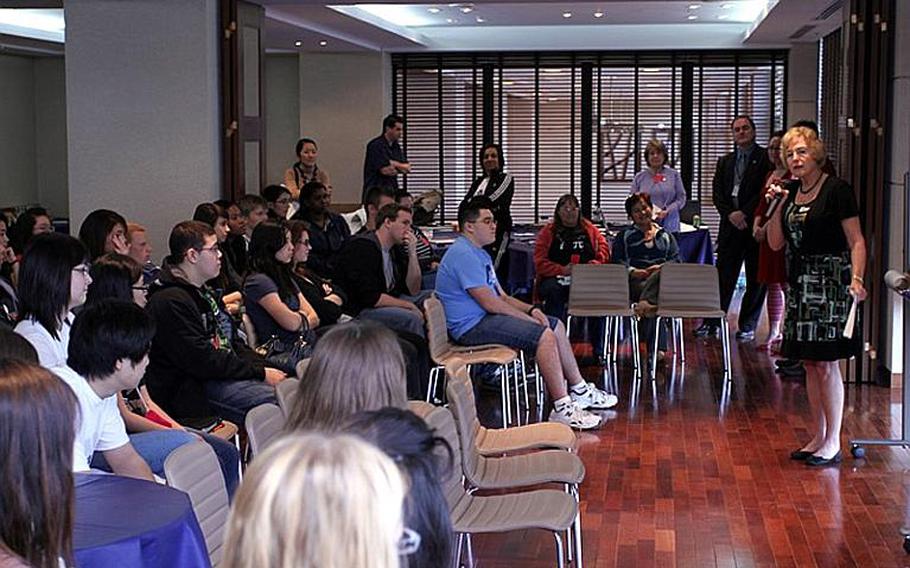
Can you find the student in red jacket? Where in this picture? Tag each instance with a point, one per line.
(569, 239)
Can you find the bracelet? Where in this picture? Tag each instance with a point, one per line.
(859, 279)
(529, 312)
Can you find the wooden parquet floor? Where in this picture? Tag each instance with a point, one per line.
(675, 478)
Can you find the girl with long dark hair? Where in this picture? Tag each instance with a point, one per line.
(274, 303)
(228, 281)
(53, 279)
(104, 231)
(498, 186)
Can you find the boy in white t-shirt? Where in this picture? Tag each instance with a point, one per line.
(108, 352)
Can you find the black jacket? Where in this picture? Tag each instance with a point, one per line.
(359, 272)
(183, 355)
(750, 189)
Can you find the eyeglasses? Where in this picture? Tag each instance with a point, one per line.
(213, 248)
(84, 269)
(409, 542)
(487, 221)
(141, 288)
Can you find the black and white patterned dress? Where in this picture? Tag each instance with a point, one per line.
(819, 273)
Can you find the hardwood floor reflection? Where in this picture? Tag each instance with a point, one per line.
(675, 478)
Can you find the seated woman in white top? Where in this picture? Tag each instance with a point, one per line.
(53, 279)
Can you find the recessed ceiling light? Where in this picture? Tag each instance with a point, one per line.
(723, 16)
(480, 20)
(450, 21)
(323, 43)
(298, 43)
(694, 6)
(692, 17)
(433, 10)
(726, 6)
(466, 9)
(598, 14)
(567, 14)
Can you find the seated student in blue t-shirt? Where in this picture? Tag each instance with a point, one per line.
(478, 312)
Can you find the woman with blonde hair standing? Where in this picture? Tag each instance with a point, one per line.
(318, 501)
(818, 219)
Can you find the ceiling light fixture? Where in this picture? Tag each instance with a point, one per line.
(450, 21)
(598, 14)
(726, 6)
(466, 9)
(723, 16)
(567, 14)
(298, 43)
(323, 43)
(692, 17)
(433, 10)
(694, 6)
(480, 20)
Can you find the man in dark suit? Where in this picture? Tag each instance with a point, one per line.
(738, 182)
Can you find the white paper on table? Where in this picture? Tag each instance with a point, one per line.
(851, 320)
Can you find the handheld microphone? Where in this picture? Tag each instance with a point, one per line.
(790, 185)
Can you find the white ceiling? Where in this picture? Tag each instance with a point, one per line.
(538, 25)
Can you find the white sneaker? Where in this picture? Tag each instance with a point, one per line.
(575, 417)
(594, 398)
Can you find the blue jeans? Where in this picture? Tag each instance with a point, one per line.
(154, 447)
(233, 399)
(506, 330)
(399, 319)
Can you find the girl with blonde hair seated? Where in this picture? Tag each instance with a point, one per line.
(317, 500)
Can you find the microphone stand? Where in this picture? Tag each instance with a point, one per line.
(856, 446)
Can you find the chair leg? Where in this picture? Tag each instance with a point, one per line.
(524, 384)
(506, 399)
(431, 387)
(239, 453)
(459, 547)
(569, 327)
(577, 531)
(654, 350)
(636, 352)
(682, 341)
(725, 339)
(604, 340)
(617, 324)
(560, 554)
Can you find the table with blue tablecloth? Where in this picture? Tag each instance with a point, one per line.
(129, 523)
(694, 247)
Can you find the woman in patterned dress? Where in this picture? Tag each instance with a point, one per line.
(819, 221)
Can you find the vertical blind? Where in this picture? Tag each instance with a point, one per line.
(535, 114)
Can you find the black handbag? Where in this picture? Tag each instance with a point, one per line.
(283, 354)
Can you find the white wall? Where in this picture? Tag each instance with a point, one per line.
(17, 131)
(142, 110)
(282, 113)
(343, 99)
(50, 134)
(33, 132)
(802, 82)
